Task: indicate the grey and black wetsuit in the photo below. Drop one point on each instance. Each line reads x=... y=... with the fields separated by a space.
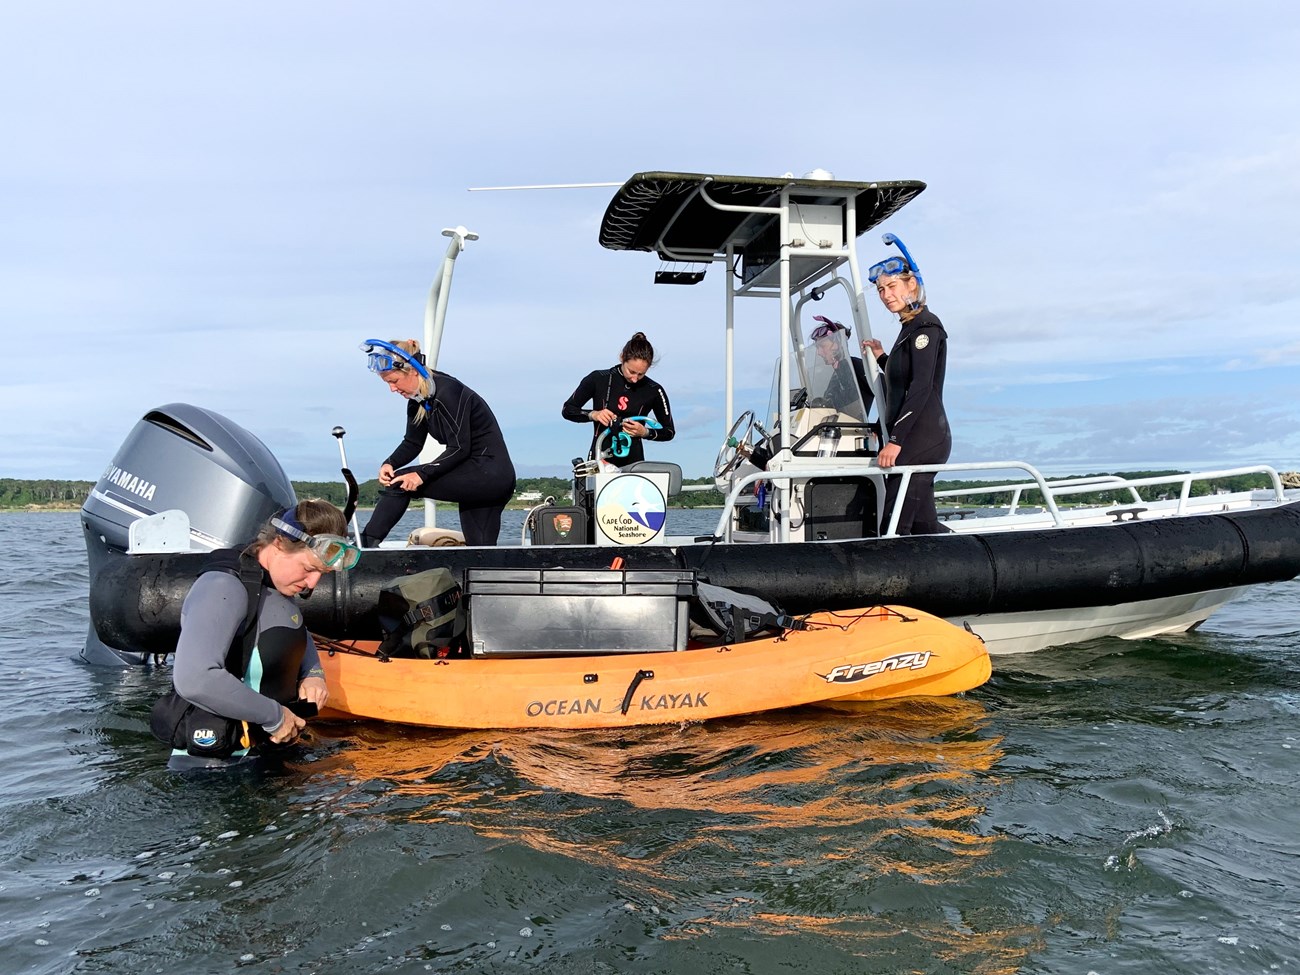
x=283 y=655
x=608 y=389
x=474 y=470
x=914 y=372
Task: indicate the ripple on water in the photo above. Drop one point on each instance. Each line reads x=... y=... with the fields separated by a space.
x=1111 y=807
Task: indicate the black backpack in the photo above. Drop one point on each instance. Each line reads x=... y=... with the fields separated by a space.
x=422 y=615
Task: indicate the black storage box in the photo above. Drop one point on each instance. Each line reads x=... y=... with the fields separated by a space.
x=554 y=525
x=839 y=507
x=525 y=612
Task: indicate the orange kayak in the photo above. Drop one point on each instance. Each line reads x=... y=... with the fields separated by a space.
x=867 y=655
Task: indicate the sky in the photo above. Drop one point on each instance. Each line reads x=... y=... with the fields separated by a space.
x=216 y=203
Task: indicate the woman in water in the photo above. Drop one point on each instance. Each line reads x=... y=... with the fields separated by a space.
x=244 y=655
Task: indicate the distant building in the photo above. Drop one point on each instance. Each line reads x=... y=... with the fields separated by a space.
x=529 y=496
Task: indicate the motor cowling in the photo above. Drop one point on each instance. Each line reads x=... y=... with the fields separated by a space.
x=186 y=458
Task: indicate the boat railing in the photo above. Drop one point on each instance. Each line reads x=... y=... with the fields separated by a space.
x=1103 y=482
x=1050 y=490
x=803 y=473
x=1096 y=482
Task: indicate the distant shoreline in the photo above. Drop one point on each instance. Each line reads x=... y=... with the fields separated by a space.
x=36 y=509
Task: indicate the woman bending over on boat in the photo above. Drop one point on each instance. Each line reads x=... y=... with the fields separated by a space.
x=618 y=393
x=914 y=372
x=244 y=655
x=474 y=469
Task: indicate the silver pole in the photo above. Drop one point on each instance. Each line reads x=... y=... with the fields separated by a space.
x=338 y=433
x=435 y=317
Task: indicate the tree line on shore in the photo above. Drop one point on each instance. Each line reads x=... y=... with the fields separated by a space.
x=51 y=493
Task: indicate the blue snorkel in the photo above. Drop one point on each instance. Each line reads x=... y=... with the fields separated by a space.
x=897 y=265
x=394 y=357
x=916 y=271
x=621 y=444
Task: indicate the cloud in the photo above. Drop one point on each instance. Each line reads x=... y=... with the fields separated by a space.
x=200 y=211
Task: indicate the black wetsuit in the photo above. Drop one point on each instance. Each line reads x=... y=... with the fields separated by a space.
x=914 y=372
x=608 y=389
x=474 y=470
x=849 y=382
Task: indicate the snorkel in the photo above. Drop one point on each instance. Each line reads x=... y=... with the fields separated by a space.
x=384 y=357
x=892 y=266
x=621 y=444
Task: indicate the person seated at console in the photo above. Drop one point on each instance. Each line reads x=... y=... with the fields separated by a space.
x=846 y=388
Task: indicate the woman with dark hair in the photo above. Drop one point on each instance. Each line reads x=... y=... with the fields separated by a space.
x=618 y=393
x=914 y=372
x=474 y=469
x=244 y=653
x=847 y=389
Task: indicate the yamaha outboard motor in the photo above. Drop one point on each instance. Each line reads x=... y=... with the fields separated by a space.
x=192 y=469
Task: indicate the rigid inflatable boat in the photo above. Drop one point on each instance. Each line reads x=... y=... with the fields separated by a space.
x=802 y=523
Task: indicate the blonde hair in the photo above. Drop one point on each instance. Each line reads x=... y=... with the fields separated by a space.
x=913 y=308
x=411 y=348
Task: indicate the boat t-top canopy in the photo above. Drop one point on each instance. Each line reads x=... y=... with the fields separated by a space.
x=781 y=237
x=695 y=217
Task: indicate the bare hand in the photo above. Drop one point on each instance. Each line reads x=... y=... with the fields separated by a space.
x=313 y=689
x=873 y=348
x=385 y=474
x=604 y=417
x=635 y=428
x=408 y=482
x=290 y=727
x=888 y=455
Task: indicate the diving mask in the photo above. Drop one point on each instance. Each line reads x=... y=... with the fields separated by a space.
x=335 y=551
x=894 y=265
x=828 y=327
x=888 y=267
x=384 y=356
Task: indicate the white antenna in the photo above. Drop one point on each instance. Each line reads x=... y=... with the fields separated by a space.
x=542 y=186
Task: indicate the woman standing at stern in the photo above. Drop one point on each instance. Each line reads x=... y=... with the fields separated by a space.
x=615 y=395
x=474 y=469
x=914 y=372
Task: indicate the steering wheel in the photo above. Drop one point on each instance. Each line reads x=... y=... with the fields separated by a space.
x=740 y=444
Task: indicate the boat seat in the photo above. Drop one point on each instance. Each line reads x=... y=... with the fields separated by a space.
x=674 y=472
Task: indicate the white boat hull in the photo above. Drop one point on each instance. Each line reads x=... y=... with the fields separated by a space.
x=1005 y=634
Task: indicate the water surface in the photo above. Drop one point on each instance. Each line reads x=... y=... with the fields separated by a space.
x=1112 y=807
